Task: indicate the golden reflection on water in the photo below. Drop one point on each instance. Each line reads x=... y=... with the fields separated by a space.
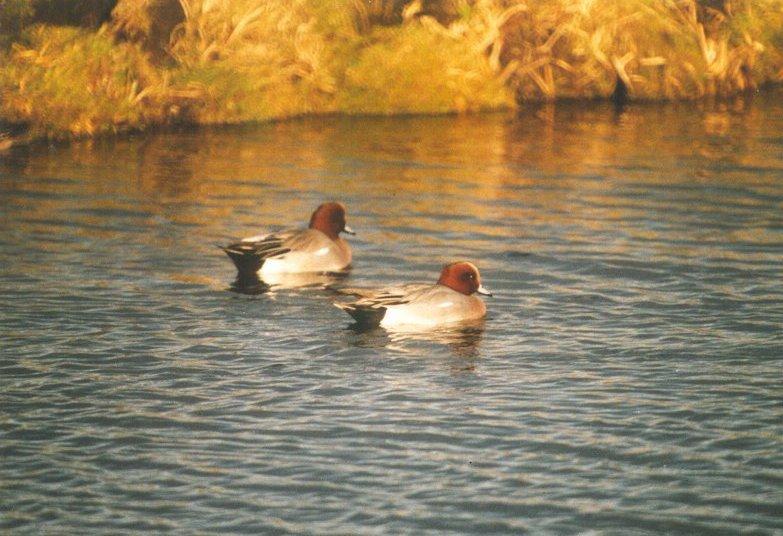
x=569 y=136
x=551 y=165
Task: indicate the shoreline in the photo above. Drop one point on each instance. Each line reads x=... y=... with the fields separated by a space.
x=11 y=142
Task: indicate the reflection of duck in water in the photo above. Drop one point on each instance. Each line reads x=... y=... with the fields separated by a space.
x=315 y=250
x=461 y=338
x=417 y=306
x=253 y=284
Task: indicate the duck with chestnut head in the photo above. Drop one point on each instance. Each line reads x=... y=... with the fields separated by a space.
x=317 y=249
x=452 y=299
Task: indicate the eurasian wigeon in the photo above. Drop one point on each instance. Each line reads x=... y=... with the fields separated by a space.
x=319 y=248
x=451 y=299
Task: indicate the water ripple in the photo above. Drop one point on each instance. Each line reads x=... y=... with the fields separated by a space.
x=626 y=379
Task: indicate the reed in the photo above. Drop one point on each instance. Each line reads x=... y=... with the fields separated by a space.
x=226 y=61
x=656 y=49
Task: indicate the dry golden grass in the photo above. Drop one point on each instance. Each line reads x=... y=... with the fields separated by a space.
x=69 y=82
x=224 y=61
x=658 y=49
x=250 y=60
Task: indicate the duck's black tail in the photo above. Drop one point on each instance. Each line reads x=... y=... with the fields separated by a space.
x=247 y=261
x=365 y=316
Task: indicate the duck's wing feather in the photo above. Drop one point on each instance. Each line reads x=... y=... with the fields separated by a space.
x=249 y=254
x=393 y=296
x=370 y=307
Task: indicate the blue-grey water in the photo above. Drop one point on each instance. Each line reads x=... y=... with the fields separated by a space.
x=627 y=380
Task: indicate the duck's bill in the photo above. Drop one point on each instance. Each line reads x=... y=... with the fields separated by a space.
x=348 y=230
x=484 y=291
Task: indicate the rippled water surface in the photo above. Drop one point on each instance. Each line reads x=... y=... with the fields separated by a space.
x=626 y=380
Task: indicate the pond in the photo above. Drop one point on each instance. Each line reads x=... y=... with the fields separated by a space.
x=626 y=378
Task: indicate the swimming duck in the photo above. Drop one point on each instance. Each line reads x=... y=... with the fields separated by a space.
x=319 y=248
x=451 y=299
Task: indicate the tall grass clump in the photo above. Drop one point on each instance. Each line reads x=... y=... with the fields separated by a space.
x=249 y=60
x=650 y=49
x=422 y=67
x=66 y=82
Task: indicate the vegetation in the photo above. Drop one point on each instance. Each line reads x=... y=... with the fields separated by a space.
x=157 y=62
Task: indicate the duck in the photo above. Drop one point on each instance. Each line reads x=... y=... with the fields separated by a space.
x=317 y=249
x=452 y=299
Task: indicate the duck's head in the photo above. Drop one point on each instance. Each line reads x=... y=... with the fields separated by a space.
x=329 y=218
x=463 y=277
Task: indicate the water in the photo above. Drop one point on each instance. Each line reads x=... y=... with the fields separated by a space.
x=627 y=379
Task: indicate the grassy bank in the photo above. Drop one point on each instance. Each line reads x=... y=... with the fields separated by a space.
x=159 y=62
